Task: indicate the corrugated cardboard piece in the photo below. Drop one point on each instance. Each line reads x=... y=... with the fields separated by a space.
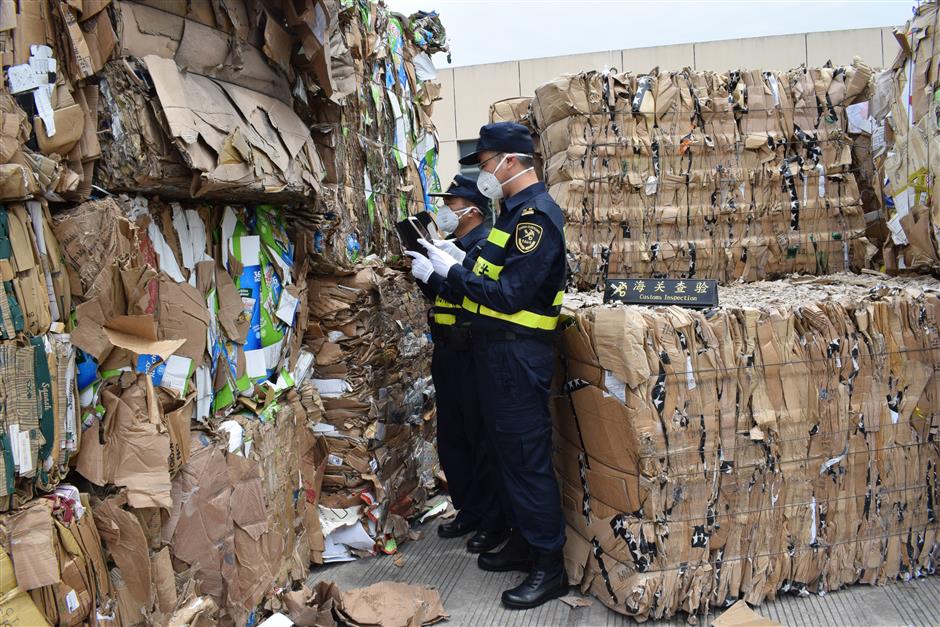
x=740 y=615
x=393 y=604
x=313 y=608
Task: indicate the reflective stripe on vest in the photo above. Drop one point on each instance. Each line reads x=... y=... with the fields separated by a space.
x=441 y=315
x=496 y=243
x=528 y=319
x=485 y=267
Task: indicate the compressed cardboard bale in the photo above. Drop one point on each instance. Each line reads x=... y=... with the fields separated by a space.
x=368 y=335
x=564 y=96
x=271 y=79
x=904 y=146
x=756 y=448
x=39 y=418
x=378 y=145
x=758 y=186
x=95 y=236
x=190 y=316
x=52 y=551
x=64 y=123
x=252 y=157
x=177 y=279
x=243 y=492
x=510 y=109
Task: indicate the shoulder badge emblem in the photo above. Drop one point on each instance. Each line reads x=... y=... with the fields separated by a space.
x=528 y=236
x=529 y=211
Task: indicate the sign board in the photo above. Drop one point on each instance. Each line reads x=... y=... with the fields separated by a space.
x=699 y=293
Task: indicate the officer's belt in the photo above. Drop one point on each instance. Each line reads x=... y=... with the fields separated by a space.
x=482 y=336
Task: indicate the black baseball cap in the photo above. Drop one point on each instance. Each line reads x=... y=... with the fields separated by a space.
x=466 y=187
x=507 y=137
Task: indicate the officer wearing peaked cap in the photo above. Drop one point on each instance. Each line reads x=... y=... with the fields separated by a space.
x=462 y=447
x=513 y=293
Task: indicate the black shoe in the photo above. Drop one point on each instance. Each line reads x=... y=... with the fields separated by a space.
x=485 y=540
x=515 y=555
x=546 y=581
x=456 y=528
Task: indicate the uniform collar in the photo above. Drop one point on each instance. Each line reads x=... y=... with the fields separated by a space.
x=475 y=235
x=517 y=200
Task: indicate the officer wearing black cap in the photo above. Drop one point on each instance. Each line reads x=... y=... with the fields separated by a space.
x=471 y=474
x=513 y=293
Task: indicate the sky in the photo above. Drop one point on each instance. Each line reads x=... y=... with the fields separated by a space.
x=488 y=31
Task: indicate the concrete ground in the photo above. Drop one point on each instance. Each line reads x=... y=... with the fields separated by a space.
x=471 y=596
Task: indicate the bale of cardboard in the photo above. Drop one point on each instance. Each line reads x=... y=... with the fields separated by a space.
x=368 y=331
x=782 y=442
x=59 y=574
x=185 y=330
x=172 y=178
x=323 y=106
x=39 y=430
x=377 y=140
x=905 y=142
x=738 y=175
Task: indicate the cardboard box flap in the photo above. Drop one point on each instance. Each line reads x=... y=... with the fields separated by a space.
x=125 y=540
x=138 y=334
x=32 y=544
x=619 y=340
x=69 y=127
x=183 y=314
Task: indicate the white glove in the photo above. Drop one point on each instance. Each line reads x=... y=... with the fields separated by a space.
x=442 y=261
x=451 y=249
x=421 y=267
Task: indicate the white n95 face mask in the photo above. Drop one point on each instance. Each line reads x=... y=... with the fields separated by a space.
x=490 y=186
x=447 y=220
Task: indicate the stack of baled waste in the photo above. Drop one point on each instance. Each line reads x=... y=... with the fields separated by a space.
x=187 y=352
x=174 y=176
x=783 y=442
x=741 y=175
x=904 y=109
x=368 y=331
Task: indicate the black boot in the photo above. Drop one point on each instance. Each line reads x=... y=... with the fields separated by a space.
x=515 y=555
x=460 y=526
x=546 y=581
x=486 y=540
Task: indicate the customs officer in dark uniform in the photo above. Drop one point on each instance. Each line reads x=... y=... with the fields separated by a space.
x=513 y=294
